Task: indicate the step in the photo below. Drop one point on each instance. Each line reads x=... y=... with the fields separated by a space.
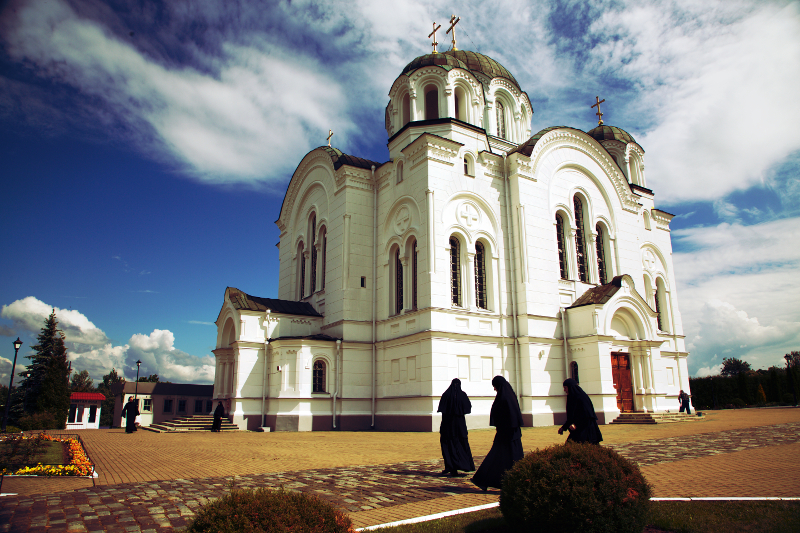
x=655 y=418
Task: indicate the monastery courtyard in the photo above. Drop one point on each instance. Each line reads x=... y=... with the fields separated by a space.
x=155 y=482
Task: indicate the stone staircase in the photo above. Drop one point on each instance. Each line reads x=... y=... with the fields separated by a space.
x=190 y=423
x=655 y=418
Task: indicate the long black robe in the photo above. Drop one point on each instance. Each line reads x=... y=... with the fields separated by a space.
x=580 y=412
x=507 y=445
x=219 y=412
x=130 y=412
x=453 y=430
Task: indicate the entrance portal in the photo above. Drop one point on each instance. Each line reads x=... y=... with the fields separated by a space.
x=621 y=374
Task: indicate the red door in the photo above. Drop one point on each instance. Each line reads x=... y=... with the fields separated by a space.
x=621 y=373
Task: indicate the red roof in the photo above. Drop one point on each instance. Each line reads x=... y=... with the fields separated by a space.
x=87 y=396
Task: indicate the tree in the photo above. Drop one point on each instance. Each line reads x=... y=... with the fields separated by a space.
x=81 y=382
x=734 y=367
x=45 y=387
x=107 y=410
x=152 y=378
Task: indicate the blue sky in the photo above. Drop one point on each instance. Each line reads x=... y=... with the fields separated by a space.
x=146 y=148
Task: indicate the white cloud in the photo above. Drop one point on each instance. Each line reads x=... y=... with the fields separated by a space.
x=709 y=371
x=90 y=349
x=719 y=80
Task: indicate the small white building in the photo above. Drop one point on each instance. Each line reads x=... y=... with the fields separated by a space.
x=162 y=402
x=84 y=410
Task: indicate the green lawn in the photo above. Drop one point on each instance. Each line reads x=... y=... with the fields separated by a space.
x=17 y=455
x=677 y=517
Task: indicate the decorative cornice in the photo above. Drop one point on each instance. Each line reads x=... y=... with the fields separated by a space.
x=661 y=218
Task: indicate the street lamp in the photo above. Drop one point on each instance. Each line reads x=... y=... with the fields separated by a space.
x=17 y=344
x=790 y=375
x=136 y=392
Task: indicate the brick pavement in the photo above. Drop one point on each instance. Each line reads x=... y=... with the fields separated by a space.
x=678 y=464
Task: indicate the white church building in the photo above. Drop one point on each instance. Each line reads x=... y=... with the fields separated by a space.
x=477 y=250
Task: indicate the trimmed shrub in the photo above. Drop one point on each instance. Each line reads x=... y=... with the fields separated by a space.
x=738 y=403
x=270 y=511
x=38 y=421
x=788 y=398
x=575 y=487
x=12 y=429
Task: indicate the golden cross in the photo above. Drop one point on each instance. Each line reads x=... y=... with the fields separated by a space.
x=453 y=22
x=599 y=114
x=330 y=134
x=433 y=34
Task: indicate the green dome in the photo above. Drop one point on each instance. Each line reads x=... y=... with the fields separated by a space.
x=471 y=61
x=611 y=133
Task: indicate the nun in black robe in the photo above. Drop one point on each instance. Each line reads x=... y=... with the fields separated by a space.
x=219 y=412
x=130 y=412
x=453 y=430
x=581 y=419
x=507 y=445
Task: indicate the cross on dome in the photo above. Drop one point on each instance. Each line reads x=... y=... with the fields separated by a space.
x=433 y=34
x=599 y=114
x=453 y=22
x=330 y=134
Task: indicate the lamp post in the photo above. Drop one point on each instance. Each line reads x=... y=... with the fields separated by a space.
x=790 y=375
x=136 y=391
x=17 y=344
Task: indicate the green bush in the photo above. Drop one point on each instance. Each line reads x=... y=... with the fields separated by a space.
x=270 y=511
x=575 y=487
x=38 y=421
x=12 y=429
x=738 y=403
x=788 y=398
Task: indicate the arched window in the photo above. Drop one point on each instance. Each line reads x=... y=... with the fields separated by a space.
x=406 y=109
x=580 y=242
x=461 y=104
x=469 y=168
x=312 y=226
x=646 y=217
x=414 y=275
x=324 y=246
x=562 y=249
x=661 y=305
x=501 y=119
x=318 y=376
x=431 y=102
x=480 y=277
x=455 y=271
x=301 y=271
x=398 y=286
x=599 y=245
x=399 y=171
x=573 y=370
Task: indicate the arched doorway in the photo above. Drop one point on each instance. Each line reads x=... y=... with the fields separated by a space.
x=621 y=374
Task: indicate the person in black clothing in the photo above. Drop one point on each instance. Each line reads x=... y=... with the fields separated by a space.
x=129 y=413
x=507 y=446
x=219 y=412
x=581 y=420
x=453 y=431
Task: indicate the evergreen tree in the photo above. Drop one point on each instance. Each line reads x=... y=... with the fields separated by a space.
x=45 y=387
x=81 y=382
x=733 y=367
x=107 y=410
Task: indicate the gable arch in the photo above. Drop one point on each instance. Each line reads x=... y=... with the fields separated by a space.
x=228 y=333
x=317 y=163
x=456 y=199
x=634 y=315
x=313 y=199
x=394 y=223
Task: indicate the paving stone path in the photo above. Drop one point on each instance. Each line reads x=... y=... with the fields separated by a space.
x=162 y=505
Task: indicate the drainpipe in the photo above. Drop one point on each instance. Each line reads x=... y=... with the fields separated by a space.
x=515 y=320
x=264 y=376
x=374 y=286
x=564 y=338
x=336 y=363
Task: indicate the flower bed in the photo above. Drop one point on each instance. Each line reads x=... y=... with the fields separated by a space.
x=79 y=464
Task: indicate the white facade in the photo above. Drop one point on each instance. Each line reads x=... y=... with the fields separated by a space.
x=464 y=217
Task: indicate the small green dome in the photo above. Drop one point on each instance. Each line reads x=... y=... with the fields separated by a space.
x=611 y=133
x=471 y=61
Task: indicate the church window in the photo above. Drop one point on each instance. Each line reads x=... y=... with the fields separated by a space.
x=466 y=166
x=501 y=120
x=398 y=287
x=469 y=169
x=301 y=271
x=431 y=102
x=661 y=305
x=658 y=310
x=324 y=239
x=313 y=229
x=414 y=254
x=646 y=217
x=580 y=243
x=406 y=109
x=562 y=250
x=319 y=376
x=573 y=370
x=601 y=255
x=461 y=104
x=480 y=276
x=399 y=172
x=455 y=271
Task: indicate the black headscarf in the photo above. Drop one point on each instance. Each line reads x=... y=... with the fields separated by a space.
x=505 y=408
x=579 y=406
x=454 y=401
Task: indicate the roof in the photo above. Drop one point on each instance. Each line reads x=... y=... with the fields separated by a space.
x=166 y=389
x=87 y=396
x=464 y=59
x=244 y=301
x=611 y=133
x=341 y=159
x=599 y=295
x=315 y=337
x=527 y=147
